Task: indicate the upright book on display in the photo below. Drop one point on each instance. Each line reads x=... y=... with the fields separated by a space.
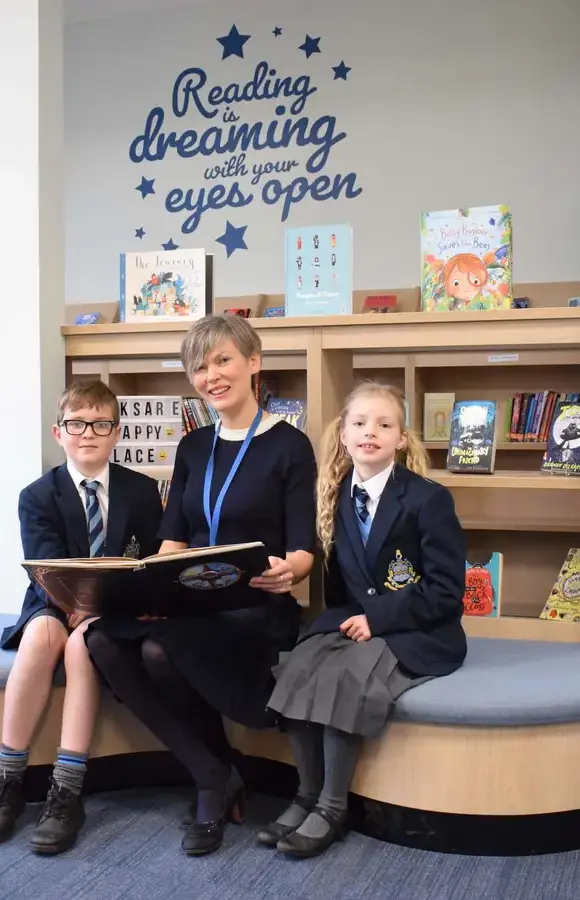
x=466 y=259
x=472 y=439
x=165 y=286
x=318 y=266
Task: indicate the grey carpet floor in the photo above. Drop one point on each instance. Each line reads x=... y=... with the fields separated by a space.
x=129 y=849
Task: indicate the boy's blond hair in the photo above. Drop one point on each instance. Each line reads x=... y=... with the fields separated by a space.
x=80 y=394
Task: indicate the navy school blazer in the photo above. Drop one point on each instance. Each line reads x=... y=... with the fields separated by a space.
x=409 y=580
x=53 y=525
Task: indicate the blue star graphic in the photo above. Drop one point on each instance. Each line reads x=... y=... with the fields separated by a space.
x=341 y=71
x=233 y=43
x=277 y=31
x=170 y=245
x=233 y=238
x=310 y=46
x=139 y=232
x=146 y=186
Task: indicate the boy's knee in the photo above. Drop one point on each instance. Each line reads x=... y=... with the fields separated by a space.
x=76 y=649
x=44 y=636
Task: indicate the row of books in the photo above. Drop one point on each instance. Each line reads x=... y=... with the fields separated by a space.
x=465 y=257
x=525 y=417
x=473 y=430
x=483 y=589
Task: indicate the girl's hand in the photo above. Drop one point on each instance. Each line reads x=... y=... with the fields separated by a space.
x=277 y=579
x=357 y=629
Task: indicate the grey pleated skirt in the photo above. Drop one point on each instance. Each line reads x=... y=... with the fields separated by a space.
x=334 y=681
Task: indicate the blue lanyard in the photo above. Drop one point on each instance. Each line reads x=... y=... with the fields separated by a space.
x=213 y=521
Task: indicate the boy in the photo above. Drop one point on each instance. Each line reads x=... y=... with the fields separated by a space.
x=85 y=507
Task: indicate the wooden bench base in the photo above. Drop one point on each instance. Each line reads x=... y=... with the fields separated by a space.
x=497 y=791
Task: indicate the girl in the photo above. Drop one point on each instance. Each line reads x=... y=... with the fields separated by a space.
x=395 y=576
x=252 y=477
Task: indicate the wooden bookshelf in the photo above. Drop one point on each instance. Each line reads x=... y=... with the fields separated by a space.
x=530 y=516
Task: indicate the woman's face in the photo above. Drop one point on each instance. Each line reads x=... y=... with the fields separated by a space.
x=224 y=379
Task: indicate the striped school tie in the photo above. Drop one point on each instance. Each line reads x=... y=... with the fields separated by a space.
x=360 y=503
x=94 y=519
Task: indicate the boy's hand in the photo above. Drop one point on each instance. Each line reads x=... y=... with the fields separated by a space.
x=357 y=629
x=75 y=619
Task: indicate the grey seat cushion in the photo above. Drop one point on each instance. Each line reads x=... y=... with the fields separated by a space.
x=7 y=657
x=502 y=683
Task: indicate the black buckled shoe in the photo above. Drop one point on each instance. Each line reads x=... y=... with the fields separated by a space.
x=299 y=845
x=59 y=823
x=275 y=831
x=12 y=804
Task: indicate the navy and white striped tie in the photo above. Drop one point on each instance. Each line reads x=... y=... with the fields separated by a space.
x=360 y=502
x=94 y=519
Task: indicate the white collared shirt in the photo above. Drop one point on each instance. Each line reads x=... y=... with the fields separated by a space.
x=373 y=486
x=102 y=490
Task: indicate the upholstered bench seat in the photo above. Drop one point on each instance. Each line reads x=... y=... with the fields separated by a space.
x=503 y=682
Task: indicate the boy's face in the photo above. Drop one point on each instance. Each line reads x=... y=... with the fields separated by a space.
x=88 y=446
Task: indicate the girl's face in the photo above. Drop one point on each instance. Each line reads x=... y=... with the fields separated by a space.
x=463 y=285
x=372 y=433
x=224 y=379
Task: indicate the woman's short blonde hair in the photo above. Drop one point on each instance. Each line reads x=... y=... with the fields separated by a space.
x=205 y=334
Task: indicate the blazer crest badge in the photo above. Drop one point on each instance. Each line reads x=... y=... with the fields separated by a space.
x=132 y=549
x=400 y=573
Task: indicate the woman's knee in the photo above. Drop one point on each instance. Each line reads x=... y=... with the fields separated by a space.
x=153 y=655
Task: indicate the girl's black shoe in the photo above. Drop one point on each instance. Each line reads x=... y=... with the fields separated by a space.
x=275 y=831
x=299 y=845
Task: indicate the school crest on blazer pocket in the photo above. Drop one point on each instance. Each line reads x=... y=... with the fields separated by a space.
x=132 y=549
x=400 y=573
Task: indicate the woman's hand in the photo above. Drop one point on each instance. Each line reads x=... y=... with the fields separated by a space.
x=277 y=579
x=357 y=629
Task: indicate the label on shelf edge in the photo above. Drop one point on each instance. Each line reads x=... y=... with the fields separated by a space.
x=503 y=357
x=171 y=364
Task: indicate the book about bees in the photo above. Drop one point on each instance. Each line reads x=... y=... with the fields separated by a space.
x=466 y=259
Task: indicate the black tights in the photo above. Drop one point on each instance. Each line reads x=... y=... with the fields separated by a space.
x=143 y=678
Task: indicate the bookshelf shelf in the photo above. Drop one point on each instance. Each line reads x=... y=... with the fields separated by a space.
x=500 y=446
x=530 y=516
x=542 y=481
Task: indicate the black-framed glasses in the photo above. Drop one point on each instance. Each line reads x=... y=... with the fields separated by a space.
x=102 y=427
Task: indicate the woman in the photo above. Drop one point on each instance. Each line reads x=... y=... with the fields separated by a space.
x=180 y=675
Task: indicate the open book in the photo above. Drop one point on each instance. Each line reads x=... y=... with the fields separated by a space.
x=179 y=583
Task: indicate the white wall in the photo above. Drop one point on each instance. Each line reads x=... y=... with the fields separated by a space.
x=453 y=104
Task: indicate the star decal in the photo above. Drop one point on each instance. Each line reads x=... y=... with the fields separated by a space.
x=139 y=232
x=310 y=46
x=341 y=71
x=170 y=245
x=146 y=187
x=277 y=31
x=233 y=43
x=233 y=238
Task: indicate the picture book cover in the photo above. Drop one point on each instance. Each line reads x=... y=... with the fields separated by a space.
x=466 y=259
x=472 y=438
x=293 y=411
x=182 y=583
x=564 y=601
x=483 y=583
x=438 y=409
x=318 y=266
x=562 y=456
x=165 y=286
